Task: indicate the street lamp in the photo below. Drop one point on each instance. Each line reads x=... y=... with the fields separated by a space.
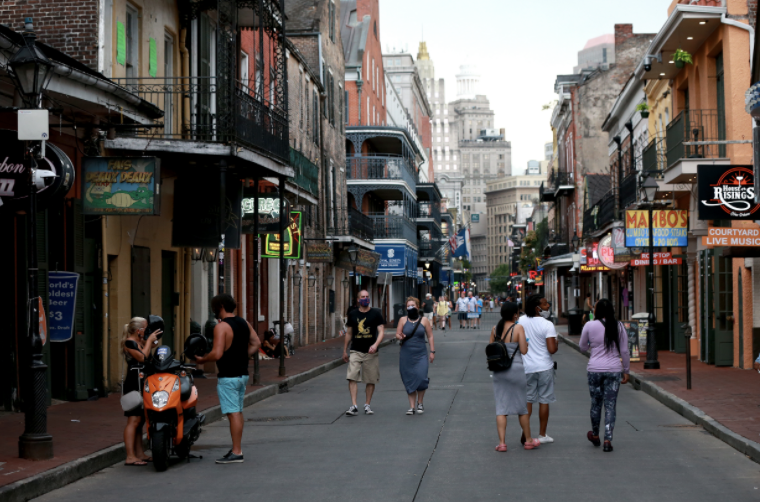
x=312 y=280
x=330 y=280
x=196 y=254
x=353 y=255
x=576 y=316
x=31 y=69
x=297 y=279
x=210 y=255
x=648 y=193
x=31 y=72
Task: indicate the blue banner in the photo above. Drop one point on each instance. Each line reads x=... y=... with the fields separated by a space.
x=62 y=292
x=393 y=259
x=411 y=266
x=462 y=237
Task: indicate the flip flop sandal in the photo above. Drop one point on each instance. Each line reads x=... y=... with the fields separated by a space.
x=139 y=463
x=534 y=444
x=501 y=447
x=149 y=460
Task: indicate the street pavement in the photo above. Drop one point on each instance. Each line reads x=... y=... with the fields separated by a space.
x=300 y=446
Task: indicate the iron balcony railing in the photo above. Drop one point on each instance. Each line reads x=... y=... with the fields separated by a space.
x=192 y=108
x=590 y=220
x=653 y=156
x=629 y=190
x=429 y=210
x=606 y=212
x=351 y=222
x=381 y=167
x=306 y=172
x=694 y=126
x=392 y=226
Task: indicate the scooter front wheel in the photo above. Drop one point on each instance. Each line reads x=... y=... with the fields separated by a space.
x=159 y=446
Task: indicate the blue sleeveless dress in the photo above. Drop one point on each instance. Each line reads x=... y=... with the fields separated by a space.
x=413 y=359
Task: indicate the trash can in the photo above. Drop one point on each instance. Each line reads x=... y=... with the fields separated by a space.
x=575 y=321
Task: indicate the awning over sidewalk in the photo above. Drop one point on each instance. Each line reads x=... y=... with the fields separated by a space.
x=565 y=260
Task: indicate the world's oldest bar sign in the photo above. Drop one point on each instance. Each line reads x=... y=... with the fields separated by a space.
x=726 y=193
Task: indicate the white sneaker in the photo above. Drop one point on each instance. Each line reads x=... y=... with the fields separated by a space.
x=545 y=439
x=410 y=411
x=368 y=410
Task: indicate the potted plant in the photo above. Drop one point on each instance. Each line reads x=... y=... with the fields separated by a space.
x=682 y=58
x=643 y=108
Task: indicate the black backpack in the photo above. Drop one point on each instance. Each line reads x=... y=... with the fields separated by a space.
x=497 y=355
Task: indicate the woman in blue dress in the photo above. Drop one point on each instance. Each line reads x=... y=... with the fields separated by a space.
x=414 y=357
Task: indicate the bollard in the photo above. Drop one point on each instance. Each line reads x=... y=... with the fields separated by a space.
x=687 y=335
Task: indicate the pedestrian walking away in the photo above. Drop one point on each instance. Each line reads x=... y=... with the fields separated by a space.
x=235 y=342
x=428 y=307
x=538 y=362
x=510 y=386
x=463 y=305
x=608 y=367
x=413 y=356
x=442 y=312
x=136 y=349
x=472 y=307
x=364 y=331
x=491 y=305
x=479 y=301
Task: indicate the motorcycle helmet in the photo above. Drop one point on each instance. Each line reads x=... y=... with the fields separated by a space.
x=155 y=323
x=196 y=345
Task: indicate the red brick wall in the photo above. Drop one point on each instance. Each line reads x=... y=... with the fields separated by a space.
x=373 y=51
x=71 y=26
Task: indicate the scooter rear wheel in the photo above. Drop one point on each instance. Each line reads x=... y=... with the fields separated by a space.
x=159 y=446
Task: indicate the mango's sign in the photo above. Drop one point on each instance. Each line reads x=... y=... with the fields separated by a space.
x=121 y=185
x=748 y=236
x=670 y=228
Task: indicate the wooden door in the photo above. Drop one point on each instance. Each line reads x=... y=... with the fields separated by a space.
x=724 y=311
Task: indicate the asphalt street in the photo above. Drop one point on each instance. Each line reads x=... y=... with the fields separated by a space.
x=300 y=446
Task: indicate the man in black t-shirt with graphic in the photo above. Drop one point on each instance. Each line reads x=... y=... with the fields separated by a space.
x=365 y=331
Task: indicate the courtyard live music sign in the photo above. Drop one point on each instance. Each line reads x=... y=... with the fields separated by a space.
x=726 y=193
x=670 y=228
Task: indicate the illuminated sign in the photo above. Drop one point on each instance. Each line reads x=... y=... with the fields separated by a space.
x=607 y=253
x=598 y=268
x=670 y=228
x=269 y=213
x=291 y=241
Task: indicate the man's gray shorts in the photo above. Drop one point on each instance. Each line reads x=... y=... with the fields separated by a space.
x=541 y=387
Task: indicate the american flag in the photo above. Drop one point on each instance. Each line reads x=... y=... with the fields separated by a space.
x=453 y=243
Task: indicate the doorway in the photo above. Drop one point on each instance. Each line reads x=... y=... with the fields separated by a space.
x=168 y=296
x=140 y=281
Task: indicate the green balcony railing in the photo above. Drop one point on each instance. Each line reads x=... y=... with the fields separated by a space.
x=306 y=172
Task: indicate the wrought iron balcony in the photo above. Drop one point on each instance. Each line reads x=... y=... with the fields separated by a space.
x=688 y=129
x=194 y=107
x=306 y=172
x=606 y=205
x=429 y=210
x=381 y=167
x=653 y=156
x=629 y=190
x=351 y=222
x=392 y=226
x=590 y=220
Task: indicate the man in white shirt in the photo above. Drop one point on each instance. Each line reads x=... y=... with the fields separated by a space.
x=538 y=363
x=472 y=307
x=461 y=308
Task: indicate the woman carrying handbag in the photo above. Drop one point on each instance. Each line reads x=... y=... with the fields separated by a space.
x=135 y=351
x=414 y=359
x=509 y=386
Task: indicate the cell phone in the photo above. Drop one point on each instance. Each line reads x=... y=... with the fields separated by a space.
x=555 y=365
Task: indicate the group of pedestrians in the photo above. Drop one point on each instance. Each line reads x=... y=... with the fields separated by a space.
x=529 y=341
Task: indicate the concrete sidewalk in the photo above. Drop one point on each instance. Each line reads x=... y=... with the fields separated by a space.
x=88 y=435
x=724 y=400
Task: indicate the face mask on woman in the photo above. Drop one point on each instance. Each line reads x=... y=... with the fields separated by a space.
x=413 y=312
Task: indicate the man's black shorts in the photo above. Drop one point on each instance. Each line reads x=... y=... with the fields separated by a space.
x=463 y=316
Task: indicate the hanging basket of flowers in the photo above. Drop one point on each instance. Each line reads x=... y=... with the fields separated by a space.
x=681 y=58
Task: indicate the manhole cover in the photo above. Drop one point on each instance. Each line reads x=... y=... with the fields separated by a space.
x=275 y=419
x=683 y=426
x=663 y=378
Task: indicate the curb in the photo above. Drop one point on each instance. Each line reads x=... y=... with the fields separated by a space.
x=57 y=477
x=743 y=445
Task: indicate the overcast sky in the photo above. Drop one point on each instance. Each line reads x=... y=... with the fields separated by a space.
x=519 y=46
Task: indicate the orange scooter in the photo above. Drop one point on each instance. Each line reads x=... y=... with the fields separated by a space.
x=169 y=399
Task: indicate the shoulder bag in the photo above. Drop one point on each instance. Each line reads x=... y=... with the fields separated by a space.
x=413 y=332
x=497 y=355
x=133 y=399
